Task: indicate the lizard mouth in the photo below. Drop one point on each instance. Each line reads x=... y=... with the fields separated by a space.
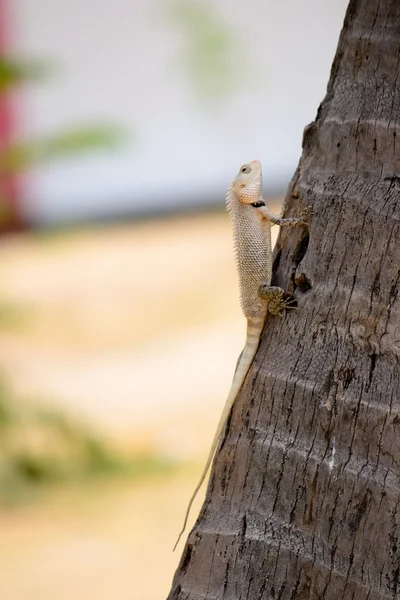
x=258 y=204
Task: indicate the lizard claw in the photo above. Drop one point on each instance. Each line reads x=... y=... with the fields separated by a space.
x=278 y=300
x=305 y=214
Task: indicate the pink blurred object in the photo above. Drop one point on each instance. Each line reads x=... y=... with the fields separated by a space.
x=10 y=215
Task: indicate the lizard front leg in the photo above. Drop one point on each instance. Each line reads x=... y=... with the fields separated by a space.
x=278 y=219
x=278 y=300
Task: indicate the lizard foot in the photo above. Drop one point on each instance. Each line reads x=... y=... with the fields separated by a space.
x=278 y=300
x=305 y=215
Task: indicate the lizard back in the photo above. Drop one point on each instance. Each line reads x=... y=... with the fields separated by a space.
x=251 y=236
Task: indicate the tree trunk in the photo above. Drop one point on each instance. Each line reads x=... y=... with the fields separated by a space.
x=303 y=500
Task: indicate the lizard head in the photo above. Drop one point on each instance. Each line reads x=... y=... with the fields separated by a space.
x=248 y=182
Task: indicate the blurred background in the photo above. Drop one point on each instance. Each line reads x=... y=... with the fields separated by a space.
x=121 y=125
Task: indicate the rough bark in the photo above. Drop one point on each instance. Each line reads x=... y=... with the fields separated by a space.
x=303 y=500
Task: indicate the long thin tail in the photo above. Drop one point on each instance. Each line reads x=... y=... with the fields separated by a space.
x=254 y=329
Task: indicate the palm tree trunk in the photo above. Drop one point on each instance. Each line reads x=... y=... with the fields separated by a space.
x=304 y=496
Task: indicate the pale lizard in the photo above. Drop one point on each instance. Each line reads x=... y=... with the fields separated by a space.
x=251 y=221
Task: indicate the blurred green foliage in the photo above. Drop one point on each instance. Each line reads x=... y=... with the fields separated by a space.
x=210 y=55
x=39 y=447
x=14 y=72
x=13 y=315
x=71 y=142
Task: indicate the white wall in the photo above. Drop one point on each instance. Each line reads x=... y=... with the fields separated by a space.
x=119 y=61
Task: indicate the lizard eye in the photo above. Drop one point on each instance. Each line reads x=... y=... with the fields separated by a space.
x=245 y=169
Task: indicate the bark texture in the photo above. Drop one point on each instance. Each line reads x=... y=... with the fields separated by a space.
x=304 y=496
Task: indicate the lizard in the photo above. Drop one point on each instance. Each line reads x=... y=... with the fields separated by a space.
x=251 y=222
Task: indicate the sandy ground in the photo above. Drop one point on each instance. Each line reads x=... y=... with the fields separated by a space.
x=136 y=329
x=130 y=327
x=104 y=542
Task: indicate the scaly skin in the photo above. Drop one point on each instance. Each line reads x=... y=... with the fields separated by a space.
x=252 y=223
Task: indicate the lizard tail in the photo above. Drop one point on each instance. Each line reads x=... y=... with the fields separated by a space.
x=254 y=328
